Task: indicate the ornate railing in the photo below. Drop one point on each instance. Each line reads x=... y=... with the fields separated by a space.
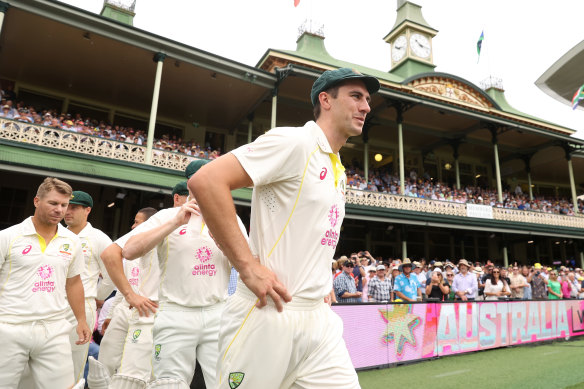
x=88 y=144
x=130 y=152
x=385 y=200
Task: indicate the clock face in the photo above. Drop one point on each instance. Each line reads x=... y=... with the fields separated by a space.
x=399 y=47
x=420 y=45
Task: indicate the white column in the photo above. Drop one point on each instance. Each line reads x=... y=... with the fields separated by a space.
x=581 y=260
x=498 y=173
x=505 y=256
x=274 y=109
x=457 y=170
x=573 y=185
x=159 y=59
x=404 y=249
x=529 y=184
x=249 y=131
x=366 y=160
x=402 y=171
x=3 y=8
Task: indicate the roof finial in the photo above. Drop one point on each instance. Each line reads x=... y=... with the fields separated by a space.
x=311 y=27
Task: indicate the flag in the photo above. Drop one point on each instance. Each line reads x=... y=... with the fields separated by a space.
x=296 y=2
x=579 y=95
x=480 y=44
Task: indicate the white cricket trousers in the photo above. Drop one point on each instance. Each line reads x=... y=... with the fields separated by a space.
x=301 y=347
x=183 y=335
x=79 y=351
x=44 y=346
x=126 y=347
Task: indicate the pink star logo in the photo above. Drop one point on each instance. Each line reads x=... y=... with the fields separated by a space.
x=45 y=271
x=333 y=215
x=203 y=254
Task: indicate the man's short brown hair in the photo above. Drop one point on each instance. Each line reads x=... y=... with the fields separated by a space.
x=52 y=183
x=333 y=91
x=147 y=212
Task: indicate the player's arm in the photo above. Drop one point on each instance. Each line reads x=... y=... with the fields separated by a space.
x=212 y=186
x=143 y=242
x=113 y=261
x=76 y=298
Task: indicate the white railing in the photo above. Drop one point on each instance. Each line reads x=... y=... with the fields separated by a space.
x=87 y=144
x=385 y=200
x=130 y=152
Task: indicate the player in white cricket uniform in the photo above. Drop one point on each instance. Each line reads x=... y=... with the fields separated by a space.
x=93 y=243
x=193 y=288
x=126 y=346
x=297 y=210
x=40 y=267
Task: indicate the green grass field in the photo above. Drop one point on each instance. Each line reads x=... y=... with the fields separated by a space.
x=549 y=366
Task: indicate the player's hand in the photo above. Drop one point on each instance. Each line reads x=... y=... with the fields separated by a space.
x=142 y=304
x=83 y=332
x=263 y=283
x=104 y=326
x=186 y=210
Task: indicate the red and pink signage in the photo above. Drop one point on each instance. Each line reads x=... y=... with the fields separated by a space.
x=383 y=334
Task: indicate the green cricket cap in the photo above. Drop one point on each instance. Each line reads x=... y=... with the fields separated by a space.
x=180 y=189
x=81 y=198
x=331 y=78
x=194 y=167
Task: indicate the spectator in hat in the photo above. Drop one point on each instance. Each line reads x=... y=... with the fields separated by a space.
x=437 y=265
x=6 y=112
x=344 y=285
x=465 y=284
x=406 y=286
x=538 y=283
x=379 y=288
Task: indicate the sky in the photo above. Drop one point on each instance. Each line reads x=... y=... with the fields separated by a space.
x=523 y=38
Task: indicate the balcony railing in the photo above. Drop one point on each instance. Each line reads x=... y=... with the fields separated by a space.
x=90 y=145
x=130 y=152
x=406 y=203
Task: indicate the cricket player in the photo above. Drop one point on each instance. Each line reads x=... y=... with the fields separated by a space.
x=193 y=288
x=40 y=267
x=127 y=343
x=93 y=243
x=298 y=205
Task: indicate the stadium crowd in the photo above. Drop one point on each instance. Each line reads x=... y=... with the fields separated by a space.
x=99 y=128
x=426 y=187
x=380 y=180
x=362 y=278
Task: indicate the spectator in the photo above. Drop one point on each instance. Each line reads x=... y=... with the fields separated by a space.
x=575 y=288
x=449 y=279
x=379 y=289
x=344 y=285
x=407 y=287
x=566 y=290
x=538 y=283
x=438 y=287
x=465 y=284
x=496 y=287
x=528 y=274
x=359 y=274
x=518 y=283
x=554 y=287
x=421 y=274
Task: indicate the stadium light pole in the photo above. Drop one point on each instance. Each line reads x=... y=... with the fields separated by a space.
x=159 y=59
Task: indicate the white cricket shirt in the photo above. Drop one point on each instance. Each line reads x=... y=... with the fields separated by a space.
x=93 y=243
x=193 y=271
x=142 y=273
x=33 y=275
x=297 y=205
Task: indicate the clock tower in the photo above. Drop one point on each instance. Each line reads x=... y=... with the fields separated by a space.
x=411 y=41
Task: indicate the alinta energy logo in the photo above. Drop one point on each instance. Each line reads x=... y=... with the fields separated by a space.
x=204 y=254
x=331 y=237
x=157 y=349
x=45 y=272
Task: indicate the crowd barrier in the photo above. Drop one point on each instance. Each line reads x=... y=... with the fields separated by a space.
x=384 y=334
